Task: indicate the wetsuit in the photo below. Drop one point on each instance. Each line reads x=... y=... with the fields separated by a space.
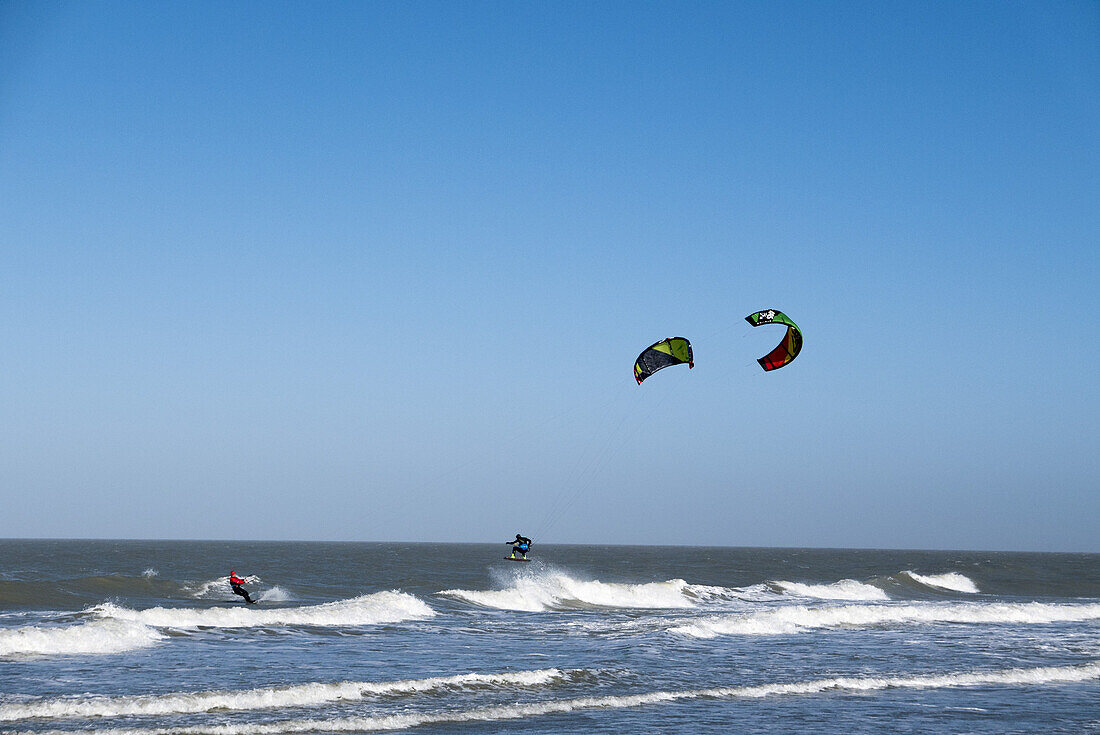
x=235 y=582
x=521 y=544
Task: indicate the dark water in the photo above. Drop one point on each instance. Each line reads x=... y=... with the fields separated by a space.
x=147 y=637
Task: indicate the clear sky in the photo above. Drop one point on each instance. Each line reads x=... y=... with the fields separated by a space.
x=380 y=271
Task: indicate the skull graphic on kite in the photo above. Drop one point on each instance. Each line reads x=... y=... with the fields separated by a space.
x=786 y=350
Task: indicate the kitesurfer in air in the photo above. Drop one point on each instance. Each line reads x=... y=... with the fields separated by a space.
x=235 y=582
x=521 y=544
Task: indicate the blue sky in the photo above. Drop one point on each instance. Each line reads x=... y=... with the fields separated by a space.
x=380 y=271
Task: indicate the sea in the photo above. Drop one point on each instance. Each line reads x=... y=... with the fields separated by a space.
x=146 y=637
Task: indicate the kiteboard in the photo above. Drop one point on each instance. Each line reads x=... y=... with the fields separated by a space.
x=514 y=558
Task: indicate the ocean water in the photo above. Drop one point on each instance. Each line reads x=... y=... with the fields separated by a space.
x=146 y=637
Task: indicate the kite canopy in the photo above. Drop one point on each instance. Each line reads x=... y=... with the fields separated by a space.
x=788 y=349
x=659 y=355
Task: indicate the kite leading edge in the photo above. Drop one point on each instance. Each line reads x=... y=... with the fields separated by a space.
x=659 y=355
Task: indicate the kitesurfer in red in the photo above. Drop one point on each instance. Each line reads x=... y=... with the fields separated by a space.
x=235 y=582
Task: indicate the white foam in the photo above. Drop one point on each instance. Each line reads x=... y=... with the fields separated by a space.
x=150 y=572
x=95 y=637
x=373 y=609
x=796 y=618
x=845 y=589
x=298 y=695
x=1004 y=677
x=712 y=594
x=555 y=590
x=949 y=581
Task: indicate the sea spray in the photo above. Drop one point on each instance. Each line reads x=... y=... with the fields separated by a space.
x=275 y=594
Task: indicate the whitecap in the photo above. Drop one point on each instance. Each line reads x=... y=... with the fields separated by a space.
x=797 y=618
x=950 y=581
x=845 y=589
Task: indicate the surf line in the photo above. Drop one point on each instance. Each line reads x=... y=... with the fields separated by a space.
x=269 y=698
x=1006 y=677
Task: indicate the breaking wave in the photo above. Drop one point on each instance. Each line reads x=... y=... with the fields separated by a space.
x=95 y=637
x=116 y=629
x=298 y=695
x=536 y=591
x=557 y=591
x=373 y=609
x=950 y=581
x=798 y=618
x=845 y=589
x=850 y=589
x=1003 y=677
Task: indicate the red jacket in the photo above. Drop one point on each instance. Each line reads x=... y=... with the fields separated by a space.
x=235 y=580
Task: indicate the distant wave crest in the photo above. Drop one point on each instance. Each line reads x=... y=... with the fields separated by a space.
x=63 y=593
x=797 y=618
x=845 y=589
